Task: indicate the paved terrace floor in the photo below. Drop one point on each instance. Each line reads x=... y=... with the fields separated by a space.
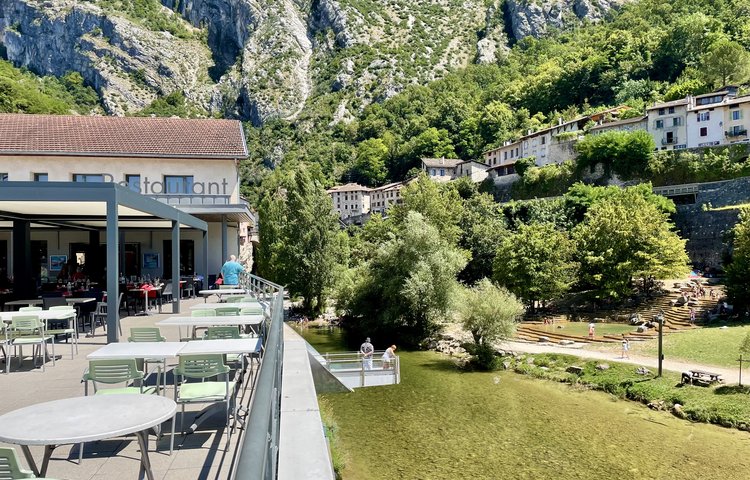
x=200 y=455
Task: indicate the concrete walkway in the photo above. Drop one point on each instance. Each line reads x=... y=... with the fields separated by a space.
x=730 y=375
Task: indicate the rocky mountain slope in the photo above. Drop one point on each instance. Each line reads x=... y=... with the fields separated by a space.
x=264 y=59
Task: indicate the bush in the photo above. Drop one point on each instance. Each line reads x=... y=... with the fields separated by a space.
x=483 y=357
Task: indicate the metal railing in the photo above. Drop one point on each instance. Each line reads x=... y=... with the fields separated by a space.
x=736 y=133
x=259 y=445
x=192 y=199
x=666 y=141
x=350 y=362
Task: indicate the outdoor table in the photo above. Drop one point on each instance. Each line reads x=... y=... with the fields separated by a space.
x=220 y=292
x=141 y=350
x=213 y=321
x=116 y=351
x=225 y=346
x=214 y=306
x=85 y=419
x=42 y=314
x=33 y=302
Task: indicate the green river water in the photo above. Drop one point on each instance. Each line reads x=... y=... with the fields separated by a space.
x=440 y=423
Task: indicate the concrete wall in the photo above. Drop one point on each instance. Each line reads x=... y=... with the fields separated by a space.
x=706 y=231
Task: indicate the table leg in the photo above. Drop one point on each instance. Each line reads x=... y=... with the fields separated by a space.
x=30 y=459
x=145 y=462
x=48 y=449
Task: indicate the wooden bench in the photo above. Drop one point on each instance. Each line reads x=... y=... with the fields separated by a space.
x=701 y=378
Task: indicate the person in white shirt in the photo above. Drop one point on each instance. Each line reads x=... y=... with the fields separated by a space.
x=367 y=350
x=388 y=356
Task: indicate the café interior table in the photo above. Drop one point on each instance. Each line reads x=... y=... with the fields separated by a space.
x=145 y=298
x=85 y=419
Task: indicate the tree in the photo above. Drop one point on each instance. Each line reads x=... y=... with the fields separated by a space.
x=440 y=205
x=369 y=165
x=524 y=164
x=726 y=62
x=536 y=263
x=496 y=122
x=624 y=237
x=482 y=229
x=580 y=197
x=738 y=270
x=490 y=313
x=406 y=290
x=300 y=240
x=626 y=154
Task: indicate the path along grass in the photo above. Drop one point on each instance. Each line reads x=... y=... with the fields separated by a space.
x=440 y=423
x=708 y=346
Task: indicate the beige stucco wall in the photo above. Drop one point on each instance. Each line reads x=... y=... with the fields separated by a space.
x=222 y=173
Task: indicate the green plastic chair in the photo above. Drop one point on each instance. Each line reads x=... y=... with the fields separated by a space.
x=225 y=332
x=228 y=287
x=227 y=311
x=71 y=333
x=10 y=467
x=207 y=312
x=233 y=299
x=201 y=367
x=29 y=330
x=149 y=334
x=30 y=309
x=112 y=372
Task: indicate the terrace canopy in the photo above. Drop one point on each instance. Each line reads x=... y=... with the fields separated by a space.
x=92 y=207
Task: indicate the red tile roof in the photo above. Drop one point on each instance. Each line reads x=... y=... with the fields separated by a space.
x=121 y=136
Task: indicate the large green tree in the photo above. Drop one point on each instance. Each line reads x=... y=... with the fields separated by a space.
x=301 y=243
x=738 y=270
x=369 y=165
x=726 y=62
x=406 y=290
x=439 y=204
x=536 y=263
x=625 y=237
x=482 y=228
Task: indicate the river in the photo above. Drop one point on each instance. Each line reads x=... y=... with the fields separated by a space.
x=442 y=423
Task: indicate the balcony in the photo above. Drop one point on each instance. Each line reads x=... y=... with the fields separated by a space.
x=177 y=199
x=669 y=141
x=736 y=133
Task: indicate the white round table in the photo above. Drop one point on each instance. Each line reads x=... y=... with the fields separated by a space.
x=85 y=419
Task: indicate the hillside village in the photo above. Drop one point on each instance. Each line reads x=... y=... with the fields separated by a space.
x=711 y=120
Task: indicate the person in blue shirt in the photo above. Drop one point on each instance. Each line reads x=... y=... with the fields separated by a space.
x=231 y=270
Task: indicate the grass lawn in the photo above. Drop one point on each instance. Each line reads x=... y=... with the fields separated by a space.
x=440 y=423
x=711 y=346
x=582 y=328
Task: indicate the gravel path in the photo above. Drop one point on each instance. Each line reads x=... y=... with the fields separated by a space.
x=730 y=375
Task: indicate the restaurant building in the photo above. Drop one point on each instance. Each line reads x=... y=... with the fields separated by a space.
x=191 y=165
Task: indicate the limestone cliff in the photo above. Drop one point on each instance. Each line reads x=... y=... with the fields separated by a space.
x=535 y=17
x=264 y=59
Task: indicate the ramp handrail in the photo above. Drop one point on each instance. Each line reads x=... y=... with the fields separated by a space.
x=259 y=444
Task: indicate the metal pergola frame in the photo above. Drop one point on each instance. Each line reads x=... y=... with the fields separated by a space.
x=113 y=196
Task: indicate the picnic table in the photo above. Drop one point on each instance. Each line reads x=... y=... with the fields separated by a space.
x=701 y=378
